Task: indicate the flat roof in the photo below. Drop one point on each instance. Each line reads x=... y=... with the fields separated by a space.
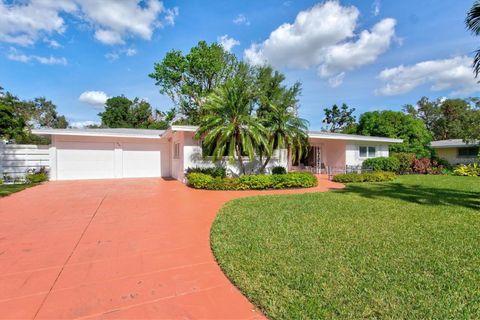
x=147 y=133
x=120 y=132
x=350 y=137
x=452 y=143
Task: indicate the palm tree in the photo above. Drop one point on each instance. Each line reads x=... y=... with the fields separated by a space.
x=228 y=126
x=286 y=131
x=473 y=23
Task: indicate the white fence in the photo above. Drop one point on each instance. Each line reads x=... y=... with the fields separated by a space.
x=17 y=159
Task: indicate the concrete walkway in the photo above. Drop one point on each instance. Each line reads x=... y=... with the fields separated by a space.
x=105 y=249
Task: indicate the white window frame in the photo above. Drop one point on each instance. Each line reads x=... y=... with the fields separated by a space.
x=369 y=154
x=176 y=150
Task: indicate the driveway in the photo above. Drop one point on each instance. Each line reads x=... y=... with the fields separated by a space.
x=133 y=248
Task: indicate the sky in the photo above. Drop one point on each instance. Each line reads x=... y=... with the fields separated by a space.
x=370 y=54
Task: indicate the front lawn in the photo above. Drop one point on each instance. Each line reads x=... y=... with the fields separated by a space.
x=7 y=189
x=407 y=249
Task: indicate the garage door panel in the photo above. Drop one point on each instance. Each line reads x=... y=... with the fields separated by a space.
x=85 y=160
x=141 y=160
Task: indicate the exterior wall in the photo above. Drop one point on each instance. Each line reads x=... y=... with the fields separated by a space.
x=114 y=153
x=192 y=157
x=451 y=155
x=352 y=152
x=16 y=159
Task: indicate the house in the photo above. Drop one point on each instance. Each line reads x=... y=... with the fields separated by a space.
x=456 y=151
x=130 y=153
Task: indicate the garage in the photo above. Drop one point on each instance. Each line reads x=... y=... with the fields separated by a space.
x=85 y=160
x=77 y=154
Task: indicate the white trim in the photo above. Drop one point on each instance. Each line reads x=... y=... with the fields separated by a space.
x=66 y=132
x=350 y=137
x=184 y=128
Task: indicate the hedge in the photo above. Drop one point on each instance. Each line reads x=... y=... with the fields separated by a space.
x=390 y=164
x=252 y=182
x=279 y=170
x=378 y=176
x=214 y=172
x=36 y=177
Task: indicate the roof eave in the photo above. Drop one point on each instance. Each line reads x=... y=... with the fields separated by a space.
x=44 y=132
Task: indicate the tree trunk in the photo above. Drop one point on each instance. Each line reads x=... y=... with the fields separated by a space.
x=240 y=161
x=264 y=165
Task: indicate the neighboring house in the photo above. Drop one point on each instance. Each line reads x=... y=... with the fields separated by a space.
x=131 y=153
x=456 y=151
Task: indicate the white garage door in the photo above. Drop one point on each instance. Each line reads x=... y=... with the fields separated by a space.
x=85 y=160
x=141 y=160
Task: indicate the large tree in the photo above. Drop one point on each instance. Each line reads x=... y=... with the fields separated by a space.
x=393 y=124
x=228 y=125
x=445 y=118
x=121 y=112
x=189 y=78
x=339 y=119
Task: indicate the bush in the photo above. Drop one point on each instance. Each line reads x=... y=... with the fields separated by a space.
x=405 y=161
x=252 y=182
x=470 y=170
x=279 y=170
x=391 y=164
x=378 y=176
x=36 y=177
x=213 y=172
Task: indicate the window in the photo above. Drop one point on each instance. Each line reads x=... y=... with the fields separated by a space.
x=176 y=150
x=367 y=152
x=470 y=152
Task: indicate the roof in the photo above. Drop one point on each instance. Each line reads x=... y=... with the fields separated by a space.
x=350 y=137
x=451 y=143
x=147 y=133
x=120 y=132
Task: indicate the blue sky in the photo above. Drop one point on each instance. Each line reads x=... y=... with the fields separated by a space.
x=370 y=54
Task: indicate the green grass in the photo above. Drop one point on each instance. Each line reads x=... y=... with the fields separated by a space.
x=7 y=189
x=408 y=249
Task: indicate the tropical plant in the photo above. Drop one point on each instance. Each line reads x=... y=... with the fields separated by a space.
x=285 y=131
x=469 y=170
x=228 y=125
x=473 y=24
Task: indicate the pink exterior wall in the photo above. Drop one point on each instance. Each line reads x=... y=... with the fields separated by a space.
x=333 y=151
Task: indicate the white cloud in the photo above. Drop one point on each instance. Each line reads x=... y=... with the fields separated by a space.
x=115 y=55
x=52 y=43
x=25 y=22
x=324 y=37
x=171 y=15
x=16 y=55
x=241 y=19
x=227 y=42
x=83 y=124
x=376 y=7
x=96 y=99
x=443 y=74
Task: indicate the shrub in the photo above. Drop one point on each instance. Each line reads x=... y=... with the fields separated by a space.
x=215 y=172
x=252 y=182
x=470 y=170
x=36 y=177
x=391 y=164
x=405 y=161
x=279 y=170
x=378 y=176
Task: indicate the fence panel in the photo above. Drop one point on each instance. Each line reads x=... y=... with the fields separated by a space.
x=17 y=159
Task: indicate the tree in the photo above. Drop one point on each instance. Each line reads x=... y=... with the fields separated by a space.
x=189 y=79
x=10 y=125
x=393 y=124
x=117 y=113
x=228 y=125
x=473 y=24
x=445 y=118
x=339 y=119
x=277 y=110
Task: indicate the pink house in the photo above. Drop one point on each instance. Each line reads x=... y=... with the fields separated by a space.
x=130 y=153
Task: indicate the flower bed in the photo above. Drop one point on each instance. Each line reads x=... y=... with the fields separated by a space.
x=378 y=176
x=252 y=182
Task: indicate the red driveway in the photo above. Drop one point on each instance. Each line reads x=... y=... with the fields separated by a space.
x=115 y=249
